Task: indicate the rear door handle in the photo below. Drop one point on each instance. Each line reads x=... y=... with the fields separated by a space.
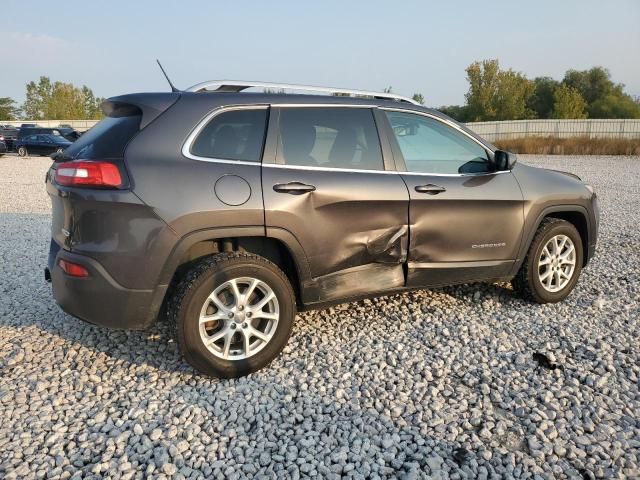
x=430 y=189
x=293 y=188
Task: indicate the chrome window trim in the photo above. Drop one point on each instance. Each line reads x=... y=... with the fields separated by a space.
x=186 y=146
x=328 y=169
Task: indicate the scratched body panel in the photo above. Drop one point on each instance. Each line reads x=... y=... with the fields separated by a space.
x=351 y=218
x=476 y=219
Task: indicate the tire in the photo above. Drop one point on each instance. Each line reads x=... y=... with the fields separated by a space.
x=556 y=287
x=22 y=152
x=193 y=298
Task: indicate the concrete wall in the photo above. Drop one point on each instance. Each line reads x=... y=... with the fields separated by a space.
x=557 y=128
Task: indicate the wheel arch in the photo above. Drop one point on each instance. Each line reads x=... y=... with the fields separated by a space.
x=278 y=246
x=577 y=215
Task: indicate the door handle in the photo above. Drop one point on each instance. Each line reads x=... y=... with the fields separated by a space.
x=293 y=188
x=430 y=189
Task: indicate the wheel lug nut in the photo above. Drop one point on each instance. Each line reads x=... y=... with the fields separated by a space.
x=248 y=314
x=233 y=326
x=244 y=325
x=230 y=314
x=240 y=307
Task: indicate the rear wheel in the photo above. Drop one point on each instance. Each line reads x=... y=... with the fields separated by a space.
x=232 y=314
x=552 y=266
x=22 y=151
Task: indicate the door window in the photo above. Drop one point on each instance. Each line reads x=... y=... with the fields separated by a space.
x=333 y=137
x=431 y=146
x=233 y=135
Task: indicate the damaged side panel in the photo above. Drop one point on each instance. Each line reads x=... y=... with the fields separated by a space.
x=353 y=227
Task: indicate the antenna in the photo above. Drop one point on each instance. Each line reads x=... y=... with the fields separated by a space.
x=173 y=88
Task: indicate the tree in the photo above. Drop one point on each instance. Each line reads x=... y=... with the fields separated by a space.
x=512 y=96
x=483 y=83
x=568 y=103
x=60 y=101
x=457 y=112
x=541 y=101
x=418 y=97
x=605 y=99
x=496 y=94
x=8 y=109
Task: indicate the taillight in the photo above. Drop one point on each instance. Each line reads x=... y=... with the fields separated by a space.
x=73 y=269
x=84 y=173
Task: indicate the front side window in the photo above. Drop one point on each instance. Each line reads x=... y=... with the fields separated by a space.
x=431 y=146
x=332 y=137
x=233 y=135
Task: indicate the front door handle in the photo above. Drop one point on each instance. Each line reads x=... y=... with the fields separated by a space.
x=293 y=188
x=430 y=189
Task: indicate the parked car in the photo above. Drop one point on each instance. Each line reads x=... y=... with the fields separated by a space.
x=9 y=133
x=229 y=211
x=68 y=133
x=41 y=145
x=3 y=146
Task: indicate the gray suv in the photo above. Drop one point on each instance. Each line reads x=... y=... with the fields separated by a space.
x=227 y=211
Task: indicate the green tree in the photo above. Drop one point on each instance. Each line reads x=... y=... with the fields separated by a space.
x=568 y=103
x=512 y=96
x=457 y=112
x=541 y=101
x=605 y=99
x=418 y=97
x=8 y=109
x=60 y=101
x=483 y=83
x=496 y=94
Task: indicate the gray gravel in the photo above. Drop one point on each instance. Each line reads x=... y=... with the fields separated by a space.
x=432 y=383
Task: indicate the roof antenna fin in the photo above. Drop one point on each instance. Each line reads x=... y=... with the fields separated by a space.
x=173 y=88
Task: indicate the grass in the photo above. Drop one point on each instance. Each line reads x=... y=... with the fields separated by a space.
x=571 y=146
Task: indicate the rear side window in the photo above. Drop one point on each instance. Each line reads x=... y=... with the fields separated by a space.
x=107 y=139
x=333 y=137
x=233 y=135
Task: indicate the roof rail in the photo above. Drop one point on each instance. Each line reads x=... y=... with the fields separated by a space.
x=239 y=85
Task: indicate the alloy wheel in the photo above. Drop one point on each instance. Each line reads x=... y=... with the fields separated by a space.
x=557 y=263
x=239 y=318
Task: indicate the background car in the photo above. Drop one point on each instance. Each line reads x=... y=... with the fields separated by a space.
x=9 y=134
x=41 y=144
x=68 y=133
x=3 y=147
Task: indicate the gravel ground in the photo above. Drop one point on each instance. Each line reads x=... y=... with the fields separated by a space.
x=439 y=383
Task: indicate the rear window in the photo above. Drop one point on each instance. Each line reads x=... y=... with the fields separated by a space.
x=107 y=139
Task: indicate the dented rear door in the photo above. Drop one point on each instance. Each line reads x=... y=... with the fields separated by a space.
x=330 y=188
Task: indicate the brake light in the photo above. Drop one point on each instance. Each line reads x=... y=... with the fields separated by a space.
x=85 y=173
x=73 y=269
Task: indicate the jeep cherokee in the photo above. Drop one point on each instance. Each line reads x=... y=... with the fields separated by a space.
x=227 y=211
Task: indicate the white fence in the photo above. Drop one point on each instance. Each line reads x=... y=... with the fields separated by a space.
x=490 y=130
x=557 y=128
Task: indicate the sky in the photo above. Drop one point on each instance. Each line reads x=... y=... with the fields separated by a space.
x=413 y=46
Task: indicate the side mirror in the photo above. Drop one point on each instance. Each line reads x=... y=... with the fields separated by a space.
x=504 y=160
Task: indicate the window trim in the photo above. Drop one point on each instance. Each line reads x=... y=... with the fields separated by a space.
x=385 y=153
x=186 y=146
x=399 y=157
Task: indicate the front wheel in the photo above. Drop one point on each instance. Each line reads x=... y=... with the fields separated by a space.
x=552 y=266
x=232 y=314
x=22 y=152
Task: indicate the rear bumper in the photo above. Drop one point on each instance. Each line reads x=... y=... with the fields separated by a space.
x=98 y=298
